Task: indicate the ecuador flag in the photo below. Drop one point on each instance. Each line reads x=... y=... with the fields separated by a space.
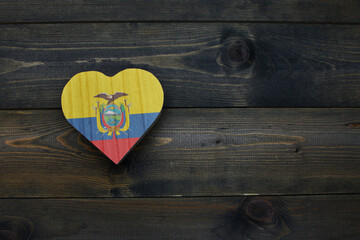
x=113 y=112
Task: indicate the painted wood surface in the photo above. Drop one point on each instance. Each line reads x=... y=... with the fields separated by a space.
x=258 y=218
x=197 y=165
x=173 y=10
x=189 y=152
x=198 y=64
x=113 y=112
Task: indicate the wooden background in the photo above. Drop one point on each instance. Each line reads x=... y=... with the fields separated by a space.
x=259 y=138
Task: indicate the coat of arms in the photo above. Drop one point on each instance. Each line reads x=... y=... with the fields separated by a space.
x=112 y=118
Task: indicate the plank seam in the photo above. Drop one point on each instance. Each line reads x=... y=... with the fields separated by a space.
x=182 y=21
x=203 y=196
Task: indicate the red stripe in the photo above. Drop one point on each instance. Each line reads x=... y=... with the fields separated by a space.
x=115 y=149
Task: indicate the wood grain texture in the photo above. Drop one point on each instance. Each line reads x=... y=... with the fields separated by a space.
x=189 y=152
x=265 y=218
x=114 y=113
x=198 y=64
x=200 y=10
x=204 y=168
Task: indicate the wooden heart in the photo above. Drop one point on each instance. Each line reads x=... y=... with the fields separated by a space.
x=115 y=112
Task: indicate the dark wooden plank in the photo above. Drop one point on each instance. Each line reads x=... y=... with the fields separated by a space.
x=199 y=65
x=265 y=218
x=190 y=152
x=129 y=10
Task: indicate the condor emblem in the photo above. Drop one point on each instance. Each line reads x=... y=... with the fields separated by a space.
x=113 y=112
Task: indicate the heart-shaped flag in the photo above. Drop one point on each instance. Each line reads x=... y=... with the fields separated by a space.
x=113 y=112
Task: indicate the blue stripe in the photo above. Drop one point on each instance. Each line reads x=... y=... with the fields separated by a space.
x=139 y=123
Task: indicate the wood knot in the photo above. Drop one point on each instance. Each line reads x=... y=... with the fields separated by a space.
x=236 y=53
x=16 y=228
x=256 y=218
x=260 y=210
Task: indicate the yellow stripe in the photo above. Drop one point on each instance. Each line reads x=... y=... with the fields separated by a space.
x=145 y=93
